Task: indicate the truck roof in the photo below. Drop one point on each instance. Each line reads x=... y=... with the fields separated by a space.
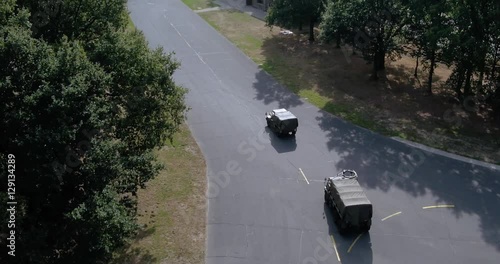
x=350 y=191
x=284 y=114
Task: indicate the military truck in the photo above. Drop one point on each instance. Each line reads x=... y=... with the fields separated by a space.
x=282 y=122
x=352 y=208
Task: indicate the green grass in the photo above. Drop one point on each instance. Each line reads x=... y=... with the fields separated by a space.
x=130 y=26
x=171 y=209
x=285 y=74
x=199 y=4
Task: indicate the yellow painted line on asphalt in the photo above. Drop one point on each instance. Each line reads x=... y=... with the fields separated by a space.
x=335 y=247
x=439 y=206
x=354 y=242
x=301 y=172
x=385 y=218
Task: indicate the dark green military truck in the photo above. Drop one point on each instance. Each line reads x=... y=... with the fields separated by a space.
x=352 y=209
x=282 y=122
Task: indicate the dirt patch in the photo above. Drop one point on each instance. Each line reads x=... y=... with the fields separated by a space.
x=338 y=81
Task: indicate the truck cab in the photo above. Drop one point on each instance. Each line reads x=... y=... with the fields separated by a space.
x=282 y=122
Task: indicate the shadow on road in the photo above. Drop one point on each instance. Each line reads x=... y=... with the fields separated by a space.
x=269 y=91
x=383 y=164
x=361 y=251
x=281 y=144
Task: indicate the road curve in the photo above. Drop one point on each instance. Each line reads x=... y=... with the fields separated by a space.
x=265 y=198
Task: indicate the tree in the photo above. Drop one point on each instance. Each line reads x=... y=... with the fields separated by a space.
x=471 y=41
x=426 y=32
x=295 y=13
x=339 y=22
x=373 y=26
x=83 y=116
x=76 y=19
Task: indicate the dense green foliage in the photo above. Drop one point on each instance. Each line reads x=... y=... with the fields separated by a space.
x=464 y=35
x=371 y=26
x=84 y=103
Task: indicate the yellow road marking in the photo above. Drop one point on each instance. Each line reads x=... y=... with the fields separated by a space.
x=335 y=247
x=354 y=242
x=303 y=175
x=439 y=206
x=385 y=218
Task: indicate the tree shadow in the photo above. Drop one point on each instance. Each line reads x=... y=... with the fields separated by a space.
x=270 y=91
x=281 y=144
x=384 y=164
x=134 y=255
x=397 y=101
x=361 y=252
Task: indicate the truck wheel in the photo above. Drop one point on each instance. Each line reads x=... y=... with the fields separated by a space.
x=268 y=123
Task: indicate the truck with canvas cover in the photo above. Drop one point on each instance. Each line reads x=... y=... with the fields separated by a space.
x=282 y=122
x=352 y=208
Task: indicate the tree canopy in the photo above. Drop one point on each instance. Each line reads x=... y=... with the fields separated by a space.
x=463 y=35
x=295 y=13
x=370 y=26
x=85 y=103
x=460 y=34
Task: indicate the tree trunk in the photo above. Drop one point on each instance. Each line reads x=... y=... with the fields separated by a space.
x=494 y=65
x=481 y=69
x=431 y=71
x=382 y=60
x=480 y=80
x=380 y=53
x=338 y=40
x=460 y=80
x=353 y=46
x=311 y=30
x=467 y=87
x=379 y=60
x=415 y=73
x=374 y=75
x=300 y=26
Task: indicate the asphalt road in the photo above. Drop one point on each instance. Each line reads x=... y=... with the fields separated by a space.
x=261 y=209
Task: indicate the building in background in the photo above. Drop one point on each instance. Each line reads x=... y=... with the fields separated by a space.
x=261 y=4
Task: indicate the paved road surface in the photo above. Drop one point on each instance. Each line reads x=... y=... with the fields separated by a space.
x=262 y=209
